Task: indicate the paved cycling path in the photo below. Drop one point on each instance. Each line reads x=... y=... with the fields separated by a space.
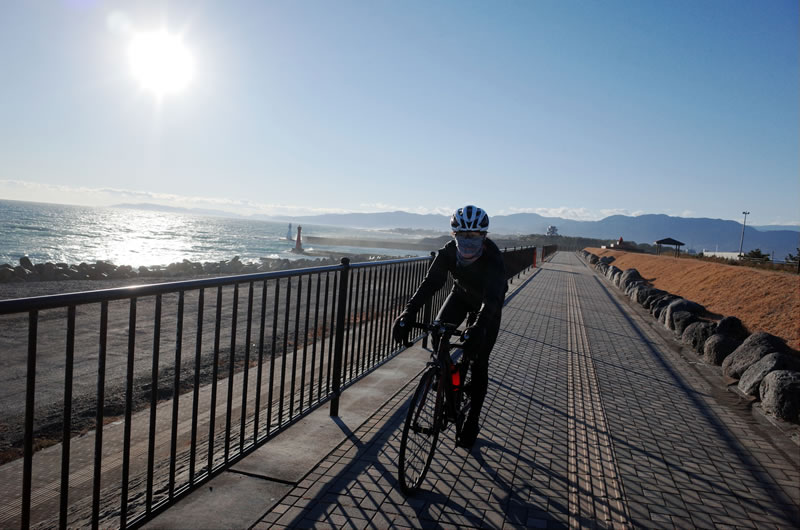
x=593 y=419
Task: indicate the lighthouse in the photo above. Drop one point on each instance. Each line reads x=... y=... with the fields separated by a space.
x=298 y=245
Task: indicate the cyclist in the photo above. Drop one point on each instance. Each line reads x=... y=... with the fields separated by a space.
x=479 y=288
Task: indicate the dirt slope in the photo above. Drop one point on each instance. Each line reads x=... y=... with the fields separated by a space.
x=764 y=300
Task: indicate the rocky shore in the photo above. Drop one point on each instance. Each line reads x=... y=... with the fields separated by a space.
x=27 y=271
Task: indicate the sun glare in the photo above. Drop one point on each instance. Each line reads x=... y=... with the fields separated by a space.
x=160 y=62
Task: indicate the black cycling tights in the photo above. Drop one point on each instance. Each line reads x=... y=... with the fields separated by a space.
x=454 y=311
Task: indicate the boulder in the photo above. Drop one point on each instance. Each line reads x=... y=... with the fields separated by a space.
x=657 y=294
x=24 y=274
x=681 y=304
x=630 y=275
x=681 y=320
x=75 y=274
x=718 y=347
x=660 y=305
x=733 y=327
x=6 y=272
x=632 y=285
x=612 y=270
x=643 y=292
x=46 y=271
x=593 y=259
x=697 y=333
x=178 y=269
x=26 y=262
x=105 y=267
x=97 y=273
x=752 y=377
x=780 y=394
x=635 y=291
x=750 y=351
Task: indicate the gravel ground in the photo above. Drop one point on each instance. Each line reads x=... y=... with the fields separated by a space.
x=51 y=350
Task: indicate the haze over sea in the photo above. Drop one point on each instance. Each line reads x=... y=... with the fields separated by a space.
x=123 y=236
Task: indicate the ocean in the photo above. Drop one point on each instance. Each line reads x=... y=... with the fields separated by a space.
x=124 y=236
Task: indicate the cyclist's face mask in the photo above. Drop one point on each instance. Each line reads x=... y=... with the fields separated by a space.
x=470 y=246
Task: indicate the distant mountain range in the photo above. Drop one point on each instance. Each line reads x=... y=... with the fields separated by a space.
x=697 y=233
x=177 y=209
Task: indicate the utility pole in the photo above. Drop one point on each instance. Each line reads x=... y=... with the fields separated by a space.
x=741 y=241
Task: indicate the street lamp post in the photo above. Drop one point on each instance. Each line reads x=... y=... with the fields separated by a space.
x=741 y=241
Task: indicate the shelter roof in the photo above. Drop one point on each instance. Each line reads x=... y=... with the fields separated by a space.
x=669 y=241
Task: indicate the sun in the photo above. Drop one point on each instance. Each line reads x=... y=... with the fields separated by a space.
x=160 y=62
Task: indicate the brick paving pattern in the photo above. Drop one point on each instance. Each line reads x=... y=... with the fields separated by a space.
x=591 y=420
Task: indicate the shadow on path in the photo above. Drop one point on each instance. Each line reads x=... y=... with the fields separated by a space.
x=782 y=504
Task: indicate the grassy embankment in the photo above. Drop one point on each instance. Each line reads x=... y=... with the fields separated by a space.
x=763 y=300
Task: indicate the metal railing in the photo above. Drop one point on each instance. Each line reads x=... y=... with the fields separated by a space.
x=548 y=250
x=141 y=423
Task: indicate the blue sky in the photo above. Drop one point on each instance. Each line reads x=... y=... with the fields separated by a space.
x=572 y=108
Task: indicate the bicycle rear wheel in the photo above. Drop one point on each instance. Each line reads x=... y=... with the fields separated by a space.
x=420 y=432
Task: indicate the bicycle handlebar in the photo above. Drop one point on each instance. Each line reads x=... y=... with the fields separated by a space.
x=437 y=328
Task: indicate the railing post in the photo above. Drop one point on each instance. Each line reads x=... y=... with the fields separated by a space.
x=341 y=307
x=426 y=311
x=534 y=257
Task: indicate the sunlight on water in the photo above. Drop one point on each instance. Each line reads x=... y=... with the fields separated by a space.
x=75 y=234
x=151 y=239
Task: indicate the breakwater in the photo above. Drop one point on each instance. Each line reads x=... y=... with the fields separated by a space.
x=429 y=244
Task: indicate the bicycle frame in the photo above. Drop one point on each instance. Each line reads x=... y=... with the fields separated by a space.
x=441 y=333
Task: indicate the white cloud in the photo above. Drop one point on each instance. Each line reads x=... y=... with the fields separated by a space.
x=576 y=214
x=423 y=210
x=620 y=211
x=106 y=196
x=60 y=194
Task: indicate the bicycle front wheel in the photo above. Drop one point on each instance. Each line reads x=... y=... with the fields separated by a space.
x=464 y=400
x=420 y=432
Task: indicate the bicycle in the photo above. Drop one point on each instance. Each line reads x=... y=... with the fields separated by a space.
x=443 y=396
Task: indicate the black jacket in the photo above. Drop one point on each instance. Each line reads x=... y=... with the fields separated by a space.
x=482 y=284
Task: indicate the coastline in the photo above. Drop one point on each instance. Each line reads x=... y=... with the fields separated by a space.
x=41 y=279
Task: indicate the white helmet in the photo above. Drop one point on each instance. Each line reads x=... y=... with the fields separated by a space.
x=469 y=219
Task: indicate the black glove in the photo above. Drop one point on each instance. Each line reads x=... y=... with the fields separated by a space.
x=473 y=337
x=402 y=327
